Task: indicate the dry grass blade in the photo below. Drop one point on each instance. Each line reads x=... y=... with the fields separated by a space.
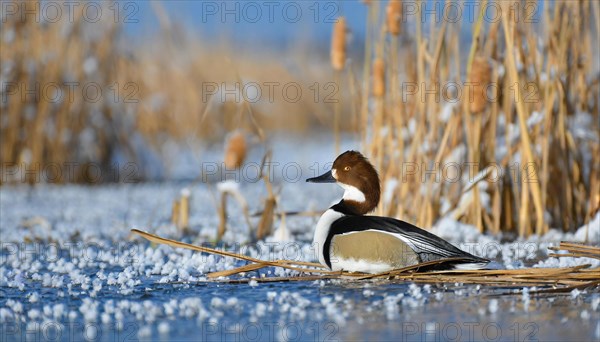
x=178 y=244
x=283 y=264
x=257 y=266
x=576 y=250
x=565 y=289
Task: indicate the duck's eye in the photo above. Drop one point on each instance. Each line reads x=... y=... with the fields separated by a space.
x=347 y=168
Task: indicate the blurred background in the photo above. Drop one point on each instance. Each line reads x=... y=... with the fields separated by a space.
x=484 y=112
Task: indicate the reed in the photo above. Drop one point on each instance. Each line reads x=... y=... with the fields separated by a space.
x=138 y=102
x=175 y=212
x=545 y=75
x=222 y=212
x=526 y=79
x=226 y=192
x=265 y=225
x=338 y=61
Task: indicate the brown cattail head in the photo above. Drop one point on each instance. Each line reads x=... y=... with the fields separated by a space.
x=235 y=150
x=378 y=77
x=338 y=44
x=480 y=78
x=394 y=17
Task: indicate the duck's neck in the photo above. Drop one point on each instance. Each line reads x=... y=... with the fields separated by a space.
x=357 y=202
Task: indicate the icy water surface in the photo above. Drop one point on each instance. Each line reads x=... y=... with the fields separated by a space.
x=316 y=311
x=70 y=271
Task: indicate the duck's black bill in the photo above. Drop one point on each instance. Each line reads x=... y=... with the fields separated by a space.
x=327 y=177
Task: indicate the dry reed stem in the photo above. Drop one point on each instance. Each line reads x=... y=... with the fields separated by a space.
x=337 y=113
x=371 y=19
x=265 y=224
x=175 y=212
x=222 y=217
x=525 y=140
x=244 y=205
x=283 y=264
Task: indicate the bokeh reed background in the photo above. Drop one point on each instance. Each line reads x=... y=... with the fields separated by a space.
x=514 y=88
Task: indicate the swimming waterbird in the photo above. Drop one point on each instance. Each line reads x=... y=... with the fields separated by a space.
x=348 y=239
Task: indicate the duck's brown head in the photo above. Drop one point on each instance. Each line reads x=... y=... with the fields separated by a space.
x=355 y=174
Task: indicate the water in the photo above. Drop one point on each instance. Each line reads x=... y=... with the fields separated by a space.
x=316 y=311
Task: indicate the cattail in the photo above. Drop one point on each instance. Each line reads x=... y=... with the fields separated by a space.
x=378 y=78
x=394 y=16
x=480 y=77
x=235 y=150
x=338 y=44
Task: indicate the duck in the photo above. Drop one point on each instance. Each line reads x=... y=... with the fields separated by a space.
x=347 y=239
